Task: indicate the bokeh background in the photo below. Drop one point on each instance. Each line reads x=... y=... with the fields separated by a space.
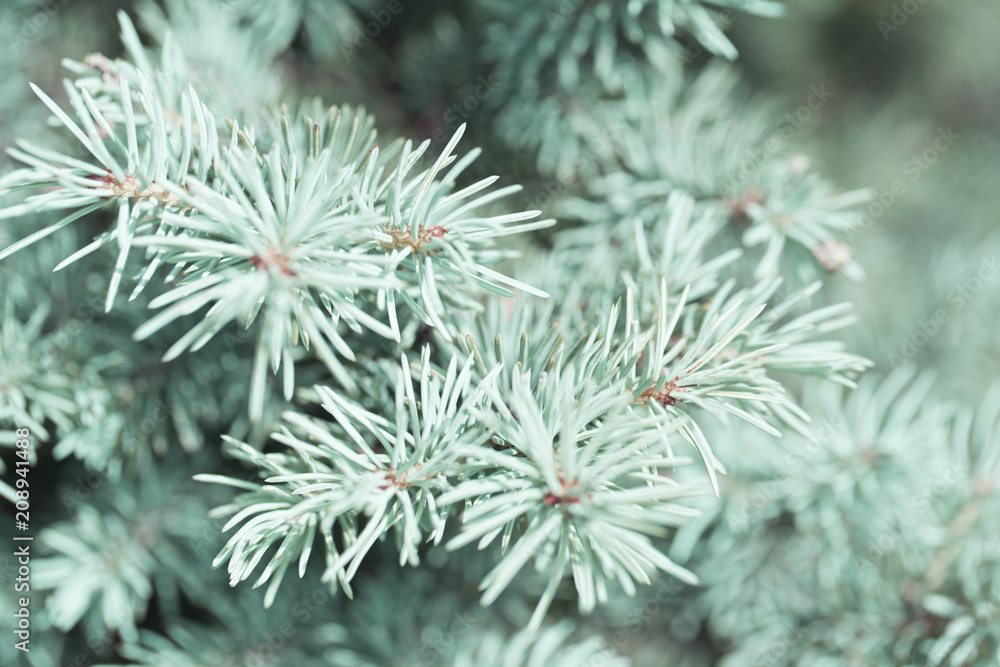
x=900 y=78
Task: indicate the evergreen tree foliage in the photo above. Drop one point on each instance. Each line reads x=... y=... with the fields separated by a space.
x=494 y=333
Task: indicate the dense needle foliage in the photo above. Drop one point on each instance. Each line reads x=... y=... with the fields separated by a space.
x=494 y=333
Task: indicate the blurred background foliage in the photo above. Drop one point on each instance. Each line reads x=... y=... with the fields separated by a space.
x=895 y=87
